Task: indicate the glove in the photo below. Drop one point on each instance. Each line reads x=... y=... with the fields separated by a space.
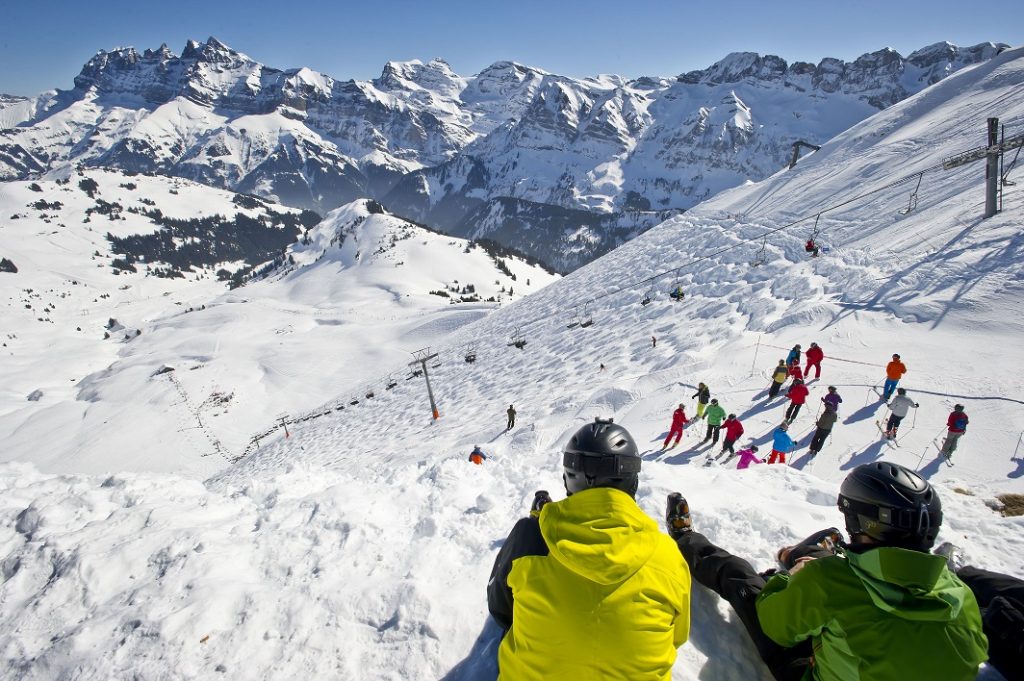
x=540 y=497
x=677 y=516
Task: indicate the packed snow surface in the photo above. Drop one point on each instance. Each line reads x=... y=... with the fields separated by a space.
x=359 y=545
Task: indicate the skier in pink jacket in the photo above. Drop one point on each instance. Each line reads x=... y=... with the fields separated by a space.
x=747 y=457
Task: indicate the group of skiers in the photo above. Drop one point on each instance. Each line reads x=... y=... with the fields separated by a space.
x=590 y=587
x=709 y=409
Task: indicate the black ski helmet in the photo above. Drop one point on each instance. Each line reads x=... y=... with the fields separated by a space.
x=601 y=454
x=891 y=504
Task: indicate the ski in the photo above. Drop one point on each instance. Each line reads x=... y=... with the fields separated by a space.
x=891 y=441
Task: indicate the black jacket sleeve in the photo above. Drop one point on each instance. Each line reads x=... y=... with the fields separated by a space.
x=525 y=539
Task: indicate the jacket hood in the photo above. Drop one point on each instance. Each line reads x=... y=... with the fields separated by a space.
x=909 y=584
x=600 y=534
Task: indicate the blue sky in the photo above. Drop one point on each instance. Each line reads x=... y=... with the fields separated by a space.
x=43 y=43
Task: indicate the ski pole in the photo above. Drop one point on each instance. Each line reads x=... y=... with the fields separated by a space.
x=756 y=350
x=1018 y=446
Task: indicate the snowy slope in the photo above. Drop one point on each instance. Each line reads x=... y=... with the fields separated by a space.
x=237 y=356
x=359 y=547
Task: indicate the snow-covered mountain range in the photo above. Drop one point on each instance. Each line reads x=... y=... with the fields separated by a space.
x=562 y=168
x=358 y=544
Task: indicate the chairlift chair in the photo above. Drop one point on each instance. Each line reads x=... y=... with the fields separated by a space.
x=762 y=255
x=517 y=339
x=912 y=201
x=354 y=401
x=369 y=392
x=470 y=354
x=575 y=321
x=677 y=294
x=812 y=246
x=587 y=319
x=648 y=298
x=390 y=382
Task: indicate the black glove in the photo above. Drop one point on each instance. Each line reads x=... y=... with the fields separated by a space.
x=540 y=497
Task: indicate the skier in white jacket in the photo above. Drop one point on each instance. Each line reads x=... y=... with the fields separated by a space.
x=899 y=407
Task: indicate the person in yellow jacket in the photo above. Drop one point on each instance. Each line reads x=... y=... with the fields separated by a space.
x=589 y=587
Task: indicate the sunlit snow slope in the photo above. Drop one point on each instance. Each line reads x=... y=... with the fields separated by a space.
x=359 y=547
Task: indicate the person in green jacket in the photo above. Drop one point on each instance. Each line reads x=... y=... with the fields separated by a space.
x=878 y=608
x=590 y=587
x=715 y=414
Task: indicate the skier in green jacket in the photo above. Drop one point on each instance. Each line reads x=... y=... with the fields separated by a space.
x=715 y=414
x=880 y=607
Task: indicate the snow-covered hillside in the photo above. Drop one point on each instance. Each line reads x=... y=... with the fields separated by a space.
x=90 y=347
x=359 y=546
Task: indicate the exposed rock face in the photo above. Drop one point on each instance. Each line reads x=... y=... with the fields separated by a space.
x=439 y=148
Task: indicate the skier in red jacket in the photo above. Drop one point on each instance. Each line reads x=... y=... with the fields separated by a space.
x=814 y=356
x=733 y=430
x=796 y=373
x=797 y=396
x=678 y=424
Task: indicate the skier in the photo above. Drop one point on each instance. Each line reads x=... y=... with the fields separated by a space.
x=733 y=431
x=898 y=410
x=894 y=371
x=477 y=456
x=715 y=414
x=654 y=341
x=814 y=356
x=781 y=443
x=794 y=356
x=590 y=568
x=702 y=395
x=797 y=395
x=957 y=425
x=678 y=425
x=795 y=372
x=832 y=400
x=511 y=411
x=879 y=607
x=824 y=425
x=779 y=377
x=602 y=367
x=748 y=456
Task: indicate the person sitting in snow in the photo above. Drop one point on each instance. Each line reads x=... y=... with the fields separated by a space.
x=877 y=607
x=589 y=587
x=477 y=456
x=747 y=456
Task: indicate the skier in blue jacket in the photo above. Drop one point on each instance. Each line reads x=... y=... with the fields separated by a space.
x=781 y=444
